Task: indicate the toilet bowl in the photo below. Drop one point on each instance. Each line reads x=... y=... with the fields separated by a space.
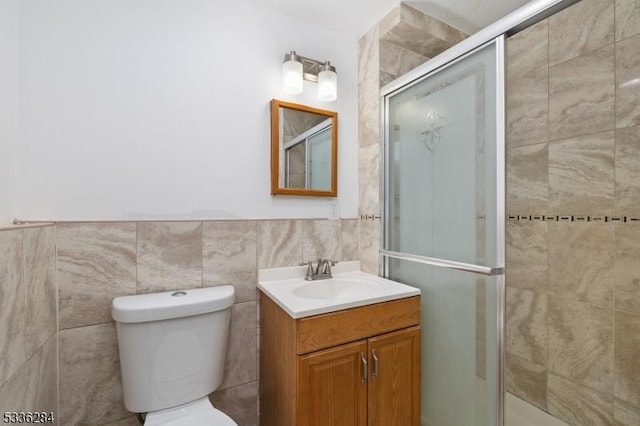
x=172 y=347
x=199 y=412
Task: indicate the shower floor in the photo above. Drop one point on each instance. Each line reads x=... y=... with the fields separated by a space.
x=521 y=413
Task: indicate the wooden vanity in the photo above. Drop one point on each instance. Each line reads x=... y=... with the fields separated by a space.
x=352 y=367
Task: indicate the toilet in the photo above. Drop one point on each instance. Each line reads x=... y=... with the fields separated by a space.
x=172 y=347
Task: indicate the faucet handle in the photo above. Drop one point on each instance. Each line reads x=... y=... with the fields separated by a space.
x=309 y=272
x=326 y=265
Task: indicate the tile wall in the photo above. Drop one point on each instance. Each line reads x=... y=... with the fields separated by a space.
x=28 y=321
x=58 y=343
x=573 y=200
x=100 y=261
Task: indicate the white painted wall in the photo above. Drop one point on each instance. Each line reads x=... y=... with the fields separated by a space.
x=9 y=18
x=160 y=109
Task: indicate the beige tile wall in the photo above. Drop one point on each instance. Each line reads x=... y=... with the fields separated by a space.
x=573 y=148
x=28 y=321
x=99 y=261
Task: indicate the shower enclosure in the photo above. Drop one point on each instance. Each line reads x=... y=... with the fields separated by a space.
x=443 y=197
x=444 y=224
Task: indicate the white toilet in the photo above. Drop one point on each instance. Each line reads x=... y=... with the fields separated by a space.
x=172 y=349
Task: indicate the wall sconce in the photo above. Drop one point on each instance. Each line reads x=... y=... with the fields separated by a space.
x=296 y=68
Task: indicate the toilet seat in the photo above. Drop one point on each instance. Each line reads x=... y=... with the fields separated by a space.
x=195 y=413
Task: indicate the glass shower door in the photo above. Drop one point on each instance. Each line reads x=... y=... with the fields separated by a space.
x=444 y=229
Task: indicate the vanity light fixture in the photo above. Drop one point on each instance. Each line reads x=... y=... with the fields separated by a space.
x=297 y=68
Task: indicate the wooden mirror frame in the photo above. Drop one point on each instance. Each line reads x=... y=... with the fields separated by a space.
x=275 y=150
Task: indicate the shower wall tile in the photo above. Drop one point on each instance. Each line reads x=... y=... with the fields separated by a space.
x=527 y=253
x=321 y=239
x=279 y=243
x=481 y=243
x=627 y=82
x=625 y=414
x=240 y=403
x=369 y=245
x=526 y=380
x=627 y=171
x=397 y=60
x=577 y=404
x=581 y=95
x=585 y=26
x=349 y=239
x=229 y=256
x=41 y=294
x=581 y=175
x=528 y=51
x=12 y=304
x=169 y=256
x=368 y=88
x=592 y=170
x=481 y=358
x=386 y=78
x=627 y=357
x=626 y=270
x=526 y=325
x=627 y=18
x=425 y=23
x=481 y=311
x=369 y=179
x=528 y=86
x=241 y=359
x=527 y=108
x=414 y=30
x=581 y=262
x=90 y=383
x=96 y=262
x=528 y=179
x=581 y=343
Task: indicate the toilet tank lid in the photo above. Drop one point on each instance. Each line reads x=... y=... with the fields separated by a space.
x=171 y=304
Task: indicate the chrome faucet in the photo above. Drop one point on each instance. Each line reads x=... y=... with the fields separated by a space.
x=322 y=270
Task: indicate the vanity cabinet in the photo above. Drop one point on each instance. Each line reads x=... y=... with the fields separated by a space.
x=355 y=367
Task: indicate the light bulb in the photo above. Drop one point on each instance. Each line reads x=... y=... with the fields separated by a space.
x=292 y=74
x=327 y=83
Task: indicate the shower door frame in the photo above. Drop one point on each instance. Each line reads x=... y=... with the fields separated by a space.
x=497 y=33
x=496 y=270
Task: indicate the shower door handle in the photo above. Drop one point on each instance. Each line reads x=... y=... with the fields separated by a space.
x=444 y=263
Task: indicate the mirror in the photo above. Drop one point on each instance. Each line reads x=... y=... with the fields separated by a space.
x=304 y=150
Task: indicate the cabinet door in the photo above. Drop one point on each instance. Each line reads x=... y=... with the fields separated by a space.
x=332 y=387
x=394 y=379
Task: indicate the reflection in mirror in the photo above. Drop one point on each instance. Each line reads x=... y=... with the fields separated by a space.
x=303 y=150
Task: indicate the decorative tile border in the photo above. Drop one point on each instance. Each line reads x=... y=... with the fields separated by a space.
x=369 y=217
x=574 y=218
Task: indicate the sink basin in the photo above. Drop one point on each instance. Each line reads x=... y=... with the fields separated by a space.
x=349 y=288
x=336 y=288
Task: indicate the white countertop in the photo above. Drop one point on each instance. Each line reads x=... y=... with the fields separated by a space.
x=349 y=288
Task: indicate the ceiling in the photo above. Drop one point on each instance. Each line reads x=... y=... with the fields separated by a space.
x=356 y=17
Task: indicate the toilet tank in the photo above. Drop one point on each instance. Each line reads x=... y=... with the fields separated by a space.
x=172 y=345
